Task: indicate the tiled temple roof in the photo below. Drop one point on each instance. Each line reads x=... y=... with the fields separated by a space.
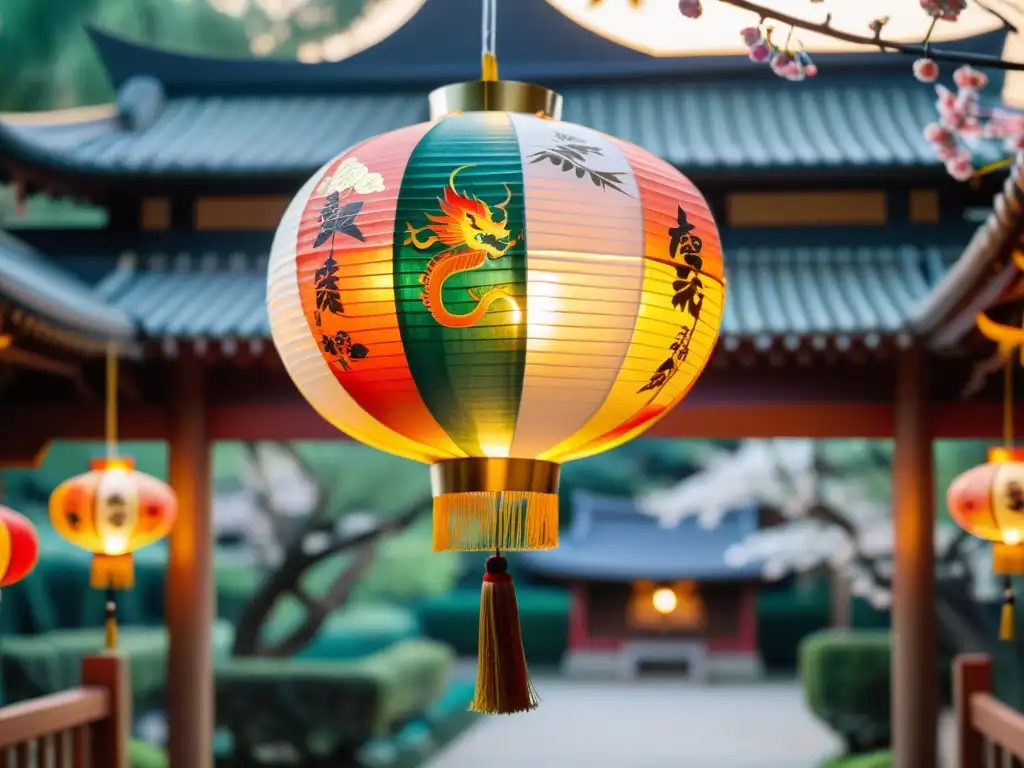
x=609 y=540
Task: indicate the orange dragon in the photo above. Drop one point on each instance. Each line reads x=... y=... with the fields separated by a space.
x=471 y=234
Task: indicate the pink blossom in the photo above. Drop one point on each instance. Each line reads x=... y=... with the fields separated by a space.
x=926 y=70
x=760 y=52
x=811 y=70
x=780 y=63
x=691 y=9
x=751 y=36
x=1014 y=143
x=960 y=167
x=937 y=134
x=968 y=77
x=946 y=152
x=947 y=10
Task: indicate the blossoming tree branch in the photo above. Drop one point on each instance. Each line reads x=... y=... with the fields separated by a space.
x=962 y=118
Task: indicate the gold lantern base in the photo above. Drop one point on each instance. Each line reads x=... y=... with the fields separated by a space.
x=495 y=96
x=495 y=504
x=112 y=572
x=1008 y=559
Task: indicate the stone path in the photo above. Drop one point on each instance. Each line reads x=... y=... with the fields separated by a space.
x=656 y=724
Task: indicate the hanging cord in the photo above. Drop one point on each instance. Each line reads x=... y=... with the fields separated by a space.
x=488 y=39
x=110 y=606
x=111 y=426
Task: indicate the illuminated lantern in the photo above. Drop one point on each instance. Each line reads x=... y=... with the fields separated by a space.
x=988 y=502
x=19 y=547
x=494 y=293
x=113 y=511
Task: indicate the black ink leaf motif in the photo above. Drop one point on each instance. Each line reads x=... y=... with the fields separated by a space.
x=571 y=154
x=341 y=347
x=1015 y=496
x=328 y=294
x=337 y=219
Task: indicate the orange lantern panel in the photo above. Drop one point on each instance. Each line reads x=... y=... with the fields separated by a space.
x=113 y=511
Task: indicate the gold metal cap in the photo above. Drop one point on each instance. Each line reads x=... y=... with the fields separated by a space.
x=480 y=475
x=495 y=96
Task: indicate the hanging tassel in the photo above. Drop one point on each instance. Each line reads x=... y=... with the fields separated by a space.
x=1006 y=624
x=503 y=684
x=110 y=626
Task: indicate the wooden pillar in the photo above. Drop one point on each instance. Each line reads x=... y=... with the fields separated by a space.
x=972 y=673
x=915 y=666
x=110 y=735
x=190 y=595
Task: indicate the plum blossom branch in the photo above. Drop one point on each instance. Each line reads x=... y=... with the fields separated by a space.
x=947 y=10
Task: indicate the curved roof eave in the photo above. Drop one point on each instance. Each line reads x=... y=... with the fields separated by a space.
x=981 y=274
x=31 y=282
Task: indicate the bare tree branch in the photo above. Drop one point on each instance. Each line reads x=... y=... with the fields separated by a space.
x=287 y=579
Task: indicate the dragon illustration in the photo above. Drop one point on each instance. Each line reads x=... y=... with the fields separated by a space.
x=472 y=233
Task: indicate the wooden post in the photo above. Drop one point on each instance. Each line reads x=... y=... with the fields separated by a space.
x=109 y=743
x=190 y=596
x=972 y=673
x=915 y=667
x=841 y=602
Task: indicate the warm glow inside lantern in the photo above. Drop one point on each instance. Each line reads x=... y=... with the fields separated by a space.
x=494 y=293
x=19 y=547
x=987 y=501
x=113 y=511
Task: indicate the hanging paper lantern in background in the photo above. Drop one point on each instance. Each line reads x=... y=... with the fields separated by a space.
x=987 y=501
x=113 y=511
x=19 y=546
x=495 y=293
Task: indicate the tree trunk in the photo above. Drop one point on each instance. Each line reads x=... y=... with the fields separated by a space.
x=841 y=601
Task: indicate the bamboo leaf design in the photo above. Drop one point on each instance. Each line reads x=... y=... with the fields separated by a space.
x=571 y=155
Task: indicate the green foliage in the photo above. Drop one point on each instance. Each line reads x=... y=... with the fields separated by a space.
x=350 y=633
x=543 y=613
x=847 y=685
x=881 y=759
x=37 y=665
x=143 y=755
x=328 y=709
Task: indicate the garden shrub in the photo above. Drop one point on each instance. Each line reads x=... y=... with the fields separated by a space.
x=847 y=685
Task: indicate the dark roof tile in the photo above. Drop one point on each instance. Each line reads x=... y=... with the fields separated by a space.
x=747 y=124
x=775 y=291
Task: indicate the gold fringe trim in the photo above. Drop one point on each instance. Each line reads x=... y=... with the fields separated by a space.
x=495 y=520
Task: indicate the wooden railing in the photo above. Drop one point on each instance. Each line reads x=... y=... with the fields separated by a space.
x=990 y=734
x=87 y=727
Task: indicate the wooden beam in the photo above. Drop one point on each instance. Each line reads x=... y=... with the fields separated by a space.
x=915 y=646
x=28 y=429
x=820 y=207
x=190 y=600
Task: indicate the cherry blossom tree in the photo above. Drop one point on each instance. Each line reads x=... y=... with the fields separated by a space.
x=963 y=117
x=827 y=508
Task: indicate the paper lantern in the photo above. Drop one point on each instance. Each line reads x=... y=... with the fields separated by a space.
x=113 y=511
x=19 y=546
x=495 y=293
x=987 y=501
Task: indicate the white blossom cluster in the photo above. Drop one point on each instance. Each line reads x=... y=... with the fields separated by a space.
x=781 y=474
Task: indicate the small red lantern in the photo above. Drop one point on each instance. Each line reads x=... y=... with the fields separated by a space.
x=987 y=501
x=113 y=511
x=19 y=546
